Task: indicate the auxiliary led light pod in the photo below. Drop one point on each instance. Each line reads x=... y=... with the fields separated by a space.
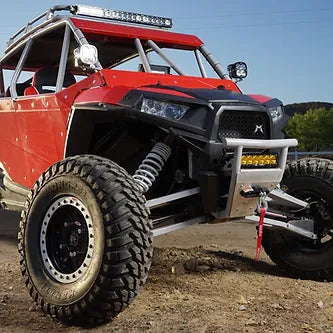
x=259 y=160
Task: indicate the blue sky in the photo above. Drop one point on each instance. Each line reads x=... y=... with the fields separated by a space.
x=287 y=44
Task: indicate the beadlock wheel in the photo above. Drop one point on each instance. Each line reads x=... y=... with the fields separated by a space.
x=67 y=239
x=310 y=180
x=85 y=241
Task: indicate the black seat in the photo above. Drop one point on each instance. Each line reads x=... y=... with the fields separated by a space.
x=44 y=77
x=47 y=77
x=20 y=88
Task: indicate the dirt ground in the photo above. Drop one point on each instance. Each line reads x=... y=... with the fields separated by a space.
x=203 y=279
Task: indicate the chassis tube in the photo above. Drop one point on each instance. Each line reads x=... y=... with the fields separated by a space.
x=63 y=59
x=19 y=68
x=142 y=55
x=164 y=57
x=2 y=85
x=214 y=63
x=200 y=64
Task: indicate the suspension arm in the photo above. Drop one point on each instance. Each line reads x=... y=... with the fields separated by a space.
x=302 y=228
x=280 y=198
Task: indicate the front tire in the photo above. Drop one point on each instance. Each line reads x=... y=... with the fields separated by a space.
x=85 y=240
x=310 y=180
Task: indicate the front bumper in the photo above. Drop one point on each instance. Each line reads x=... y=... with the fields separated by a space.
x=268 y=178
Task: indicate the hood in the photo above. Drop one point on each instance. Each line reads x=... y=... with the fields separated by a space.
x=219 y=94
x=119 y=84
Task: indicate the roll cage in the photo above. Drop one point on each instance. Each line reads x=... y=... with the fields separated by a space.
x=144 y=40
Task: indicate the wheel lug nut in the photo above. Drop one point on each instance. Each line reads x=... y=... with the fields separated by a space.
x=72 y=254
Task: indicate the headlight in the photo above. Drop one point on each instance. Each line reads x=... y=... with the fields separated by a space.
x=276 y=113
x=163 y=109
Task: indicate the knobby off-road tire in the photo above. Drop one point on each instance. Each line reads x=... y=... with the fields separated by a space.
x=310 y=180
x=85 y=240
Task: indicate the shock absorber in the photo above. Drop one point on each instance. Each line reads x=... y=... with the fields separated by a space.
x=151 y=166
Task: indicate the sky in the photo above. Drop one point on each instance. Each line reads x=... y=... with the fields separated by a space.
x=287 y=44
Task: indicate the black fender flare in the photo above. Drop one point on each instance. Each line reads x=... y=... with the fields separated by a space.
x=85 y=117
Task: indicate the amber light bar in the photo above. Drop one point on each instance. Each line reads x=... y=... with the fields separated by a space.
x=254 y=160
x=118 y=15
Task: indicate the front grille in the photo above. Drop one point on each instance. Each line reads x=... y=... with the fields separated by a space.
x=244 y=125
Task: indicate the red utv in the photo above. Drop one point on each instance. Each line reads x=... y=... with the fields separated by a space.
x=105 y=141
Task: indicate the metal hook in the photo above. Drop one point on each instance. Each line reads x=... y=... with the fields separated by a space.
x=262 y=202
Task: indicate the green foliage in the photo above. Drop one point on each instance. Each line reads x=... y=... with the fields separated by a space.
x=314 y=129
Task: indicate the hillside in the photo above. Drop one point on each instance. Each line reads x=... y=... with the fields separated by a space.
x=303 y=107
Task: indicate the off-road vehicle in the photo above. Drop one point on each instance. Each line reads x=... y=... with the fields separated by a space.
x=105 y=142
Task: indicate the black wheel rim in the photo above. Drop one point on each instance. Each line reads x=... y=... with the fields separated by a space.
x=323 y=223
x=67 y=239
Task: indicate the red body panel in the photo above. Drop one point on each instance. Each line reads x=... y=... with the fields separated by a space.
x=119 y=83
x=132 y=32
x=260 y=98
x=9 y=134
x=139 y=79
x=34 y=129
x=108 y=95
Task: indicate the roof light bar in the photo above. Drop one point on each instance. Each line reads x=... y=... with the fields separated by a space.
x=117 y=15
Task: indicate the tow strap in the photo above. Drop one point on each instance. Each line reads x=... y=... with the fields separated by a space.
x=260 y=232
x=262 y=207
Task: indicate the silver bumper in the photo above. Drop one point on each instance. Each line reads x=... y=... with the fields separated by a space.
x=237 y=205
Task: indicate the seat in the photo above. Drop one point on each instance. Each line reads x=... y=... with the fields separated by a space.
x=20 y=88
x=44 y=78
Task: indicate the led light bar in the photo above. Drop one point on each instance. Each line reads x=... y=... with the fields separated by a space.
x=254 y=161
x=117 y=15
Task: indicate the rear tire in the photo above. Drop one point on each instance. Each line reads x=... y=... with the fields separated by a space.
x=85 y=240
x=310 y=180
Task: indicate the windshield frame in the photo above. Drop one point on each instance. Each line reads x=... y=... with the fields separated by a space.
x=142 y=49
x=160 y=38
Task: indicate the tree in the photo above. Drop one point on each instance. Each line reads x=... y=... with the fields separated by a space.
x=314 y=129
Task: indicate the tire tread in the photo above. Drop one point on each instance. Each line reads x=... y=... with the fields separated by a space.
x=314 y=167
x=128 y=256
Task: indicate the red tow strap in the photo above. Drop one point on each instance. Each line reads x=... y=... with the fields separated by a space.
x=260 y=232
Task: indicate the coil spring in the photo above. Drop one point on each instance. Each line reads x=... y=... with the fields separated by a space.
x=151 y=166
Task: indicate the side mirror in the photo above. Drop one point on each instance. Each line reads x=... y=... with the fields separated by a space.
x=238 y=70
x=87 y=55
